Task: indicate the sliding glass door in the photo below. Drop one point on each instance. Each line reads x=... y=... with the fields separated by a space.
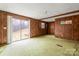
x=18 y=29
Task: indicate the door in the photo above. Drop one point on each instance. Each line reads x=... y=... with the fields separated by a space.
x=18 y=29
x=15 y=29
x=24 y=29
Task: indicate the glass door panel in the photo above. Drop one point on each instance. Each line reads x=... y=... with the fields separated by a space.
x=15 y=29
x=24 y=29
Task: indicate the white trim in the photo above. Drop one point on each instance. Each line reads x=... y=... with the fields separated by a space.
x=9 y=29
x=67 y=15
x=29 y=27
x=53 y=18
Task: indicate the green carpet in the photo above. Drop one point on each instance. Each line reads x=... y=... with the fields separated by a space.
x=47 y=45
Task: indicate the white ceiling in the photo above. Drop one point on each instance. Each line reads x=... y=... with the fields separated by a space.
x=39 y=10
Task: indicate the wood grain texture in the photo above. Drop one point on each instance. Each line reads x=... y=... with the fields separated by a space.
x=35 y=28
x=3 y=32
x=67 y=31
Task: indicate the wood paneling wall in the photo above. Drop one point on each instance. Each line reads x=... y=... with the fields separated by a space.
x=35 y=28
x=76 y=27
x=3 y=28
x=1 y=31
x=67 y=31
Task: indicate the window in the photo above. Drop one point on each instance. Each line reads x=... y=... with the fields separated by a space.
x=43 y=25
x=66 y=22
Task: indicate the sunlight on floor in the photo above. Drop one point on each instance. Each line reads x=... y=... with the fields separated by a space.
x=47 y=45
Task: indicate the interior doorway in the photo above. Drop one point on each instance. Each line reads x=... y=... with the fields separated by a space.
x=18 y=29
